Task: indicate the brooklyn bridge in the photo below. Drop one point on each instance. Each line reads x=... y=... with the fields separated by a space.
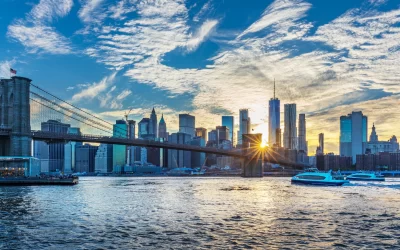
x=24 y=105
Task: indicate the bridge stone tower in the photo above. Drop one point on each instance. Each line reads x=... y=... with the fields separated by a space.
x=253 y=166
x=15 y=123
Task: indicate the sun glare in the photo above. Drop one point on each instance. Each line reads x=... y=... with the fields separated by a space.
x=263 y=145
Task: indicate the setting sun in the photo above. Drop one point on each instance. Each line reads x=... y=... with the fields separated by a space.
x=263 y=145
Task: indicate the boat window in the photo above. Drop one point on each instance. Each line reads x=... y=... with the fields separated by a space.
x=361 y=176
x=311 y=177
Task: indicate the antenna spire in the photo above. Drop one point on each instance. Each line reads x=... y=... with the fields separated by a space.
x=274 y=88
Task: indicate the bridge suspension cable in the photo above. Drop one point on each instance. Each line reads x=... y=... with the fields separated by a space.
x=70 y=116
x=71 y=110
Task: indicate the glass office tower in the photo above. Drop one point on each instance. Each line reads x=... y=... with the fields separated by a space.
x=353 y=134
x=228 y=121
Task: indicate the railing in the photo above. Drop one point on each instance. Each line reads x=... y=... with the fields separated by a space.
x=4 y=131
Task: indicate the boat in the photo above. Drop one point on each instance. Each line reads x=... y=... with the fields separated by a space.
x=317 y=178
x=364 y=176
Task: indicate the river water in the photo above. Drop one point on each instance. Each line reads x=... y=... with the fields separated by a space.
x=200 y=213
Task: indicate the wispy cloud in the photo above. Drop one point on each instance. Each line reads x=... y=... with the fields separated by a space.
x=94 y=89
x=39 y=38
x=91 y=11
x=34 y=31
x=5 y=68
x=202 y=33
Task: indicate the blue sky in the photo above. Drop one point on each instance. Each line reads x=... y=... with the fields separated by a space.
x=212 y=57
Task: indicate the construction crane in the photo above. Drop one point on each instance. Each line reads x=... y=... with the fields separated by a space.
x=127 y=113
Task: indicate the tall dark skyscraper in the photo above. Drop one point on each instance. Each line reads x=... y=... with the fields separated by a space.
x=302 y=139
x=274 y=119
x=321 y=142
x=229 y=122
x=290 y=130
x=153 y=128
x=244 y=124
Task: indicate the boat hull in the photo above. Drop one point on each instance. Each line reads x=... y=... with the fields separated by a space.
x=319 y=183
x=364 y=179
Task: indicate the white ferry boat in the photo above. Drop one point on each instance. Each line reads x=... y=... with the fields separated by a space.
x=318 y=178
x=365 y=177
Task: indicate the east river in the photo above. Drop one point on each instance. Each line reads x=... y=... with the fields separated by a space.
x=200 y=213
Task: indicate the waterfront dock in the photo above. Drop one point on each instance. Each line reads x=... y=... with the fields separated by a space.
x=36 y=181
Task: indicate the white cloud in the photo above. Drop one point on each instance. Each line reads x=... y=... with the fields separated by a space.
x=362 y=54
x=94 y=89
x=203 y=32
x=282 y=14
x=39 y=39
x=91 y=11
x=47 y=10
x=124 y=94
x=5 y=68
x=34 y=32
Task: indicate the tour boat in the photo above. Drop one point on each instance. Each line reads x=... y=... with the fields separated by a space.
x=318 y=178
x=365 y=177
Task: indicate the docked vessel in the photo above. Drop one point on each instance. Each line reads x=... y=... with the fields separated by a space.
x=318 y=178
x=365 y=177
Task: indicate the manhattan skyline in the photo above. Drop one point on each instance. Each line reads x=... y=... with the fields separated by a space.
x=212 y=58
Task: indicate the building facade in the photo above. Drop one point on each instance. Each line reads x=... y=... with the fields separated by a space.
x=85 y=158
x=274 y=119
x=302 y=138
x=353 y=134
x=153 y=128
x=229 y=122
x=103 y=162
x=52 y=155
x=120 y=130
x=375 y=146
x=69 y=152
x=162 y=129
x=187 y=124
x=290 y=130
x=179 y=158
x=201 y=132
x=244 y=124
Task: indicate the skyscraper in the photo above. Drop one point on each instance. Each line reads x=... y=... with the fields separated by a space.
x=162 y=129
x=302 y=139
x=69 y=152
x=229 y=122
x=321 y=143
x=85 y=158
x=144 y=128
x=120 y=130
x=353 y=134
x=244 y=124
x=179 y=158
x=52 y=155
x=274 y=119
x=290 y=131
x=103 y=159
x=187 y=124
x=153 y=129
x=131 y=135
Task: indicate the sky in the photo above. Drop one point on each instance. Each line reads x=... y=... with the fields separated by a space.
x=212 y=57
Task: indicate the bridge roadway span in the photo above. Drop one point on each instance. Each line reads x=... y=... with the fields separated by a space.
x=50 y=136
